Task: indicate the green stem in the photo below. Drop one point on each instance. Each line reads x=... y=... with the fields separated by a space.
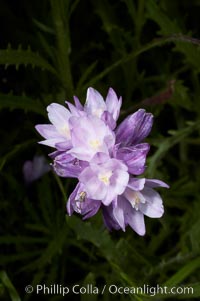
x=139 y=21
x=60 y=14
x=135 y=53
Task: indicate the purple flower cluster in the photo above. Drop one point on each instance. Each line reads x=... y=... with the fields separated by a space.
x=105 y=159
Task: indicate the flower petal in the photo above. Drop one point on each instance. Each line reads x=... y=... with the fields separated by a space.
x=95 y=189
x=63 y=145
x=154 y=205
x=90 y=135
x=81 y=153
x=120 y=181
x=134 y=128
x=135 y=219
x=134 y=157
x=136 y=184
x=90 y=208
x=73 y=109
x=113 y=104
x=78 y=104
x=35 y=169
x=109 y=219
x=53 y=142
x=82 y=205
x=47 y=131
x=155 y=183
x=109 y=120
x=67 y=166
x=70 y=203
x=95 y=104
x=119 y=212
x=58 y=115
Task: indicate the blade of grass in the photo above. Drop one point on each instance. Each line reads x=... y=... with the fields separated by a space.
x=9 y=286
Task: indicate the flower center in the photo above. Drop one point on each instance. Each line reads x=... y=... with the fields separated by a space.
x=136 y=199
x=80 y=200
x=98 y=112
x=95 y=143
x=65 y=131
x=105 y=177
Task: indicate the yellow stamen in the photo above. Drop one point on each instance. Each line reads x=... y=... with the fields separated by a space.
x=105 y=178
x=65 y=131
x=82 y=196
x=136 y=200
x=95 y=144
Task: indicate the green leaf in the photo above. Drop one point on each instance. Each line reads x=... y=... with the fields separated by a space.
x=183 y=273
x=194 y=233
x=73 y=7
x=191 y=52
x=168 y=143
x=19 y=57
x=167 y=25
x=46 y=47
x=89 y=279
x=180 y=96
x=21 y=102
x=8 y=239
x=102 y=240
x=60 y=15
x=10 y=258
x=85 y=76
x=43 y=27
x=9 y=286
x=196 y=291
x=170 y=27
x=53 y=248
x=99 y=237
x=15 y=149
x=130 y=251
x=133 y=54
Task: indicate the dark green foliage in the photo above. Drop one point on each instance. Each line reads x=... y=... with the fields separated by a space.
x=149 y=52
x=19 y=57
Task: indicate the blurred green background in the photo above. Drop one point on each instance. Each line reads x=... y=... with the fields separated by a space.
x=149 y=53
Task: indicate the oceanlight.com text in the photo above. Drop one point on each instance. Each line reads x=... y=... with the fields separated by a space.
x=113 y=289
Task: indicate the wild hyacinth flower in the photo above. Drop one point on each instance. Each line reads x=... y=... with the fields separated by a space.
x=135 y=128
x=104 y=179
x=35 y=169
x=95 y=105
x=65 y=165
x=138 y=199
x=105 y=160
x=108 y=110
x=80 y=203
x=57 y=134
x=129 y=135
x=90 y=135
